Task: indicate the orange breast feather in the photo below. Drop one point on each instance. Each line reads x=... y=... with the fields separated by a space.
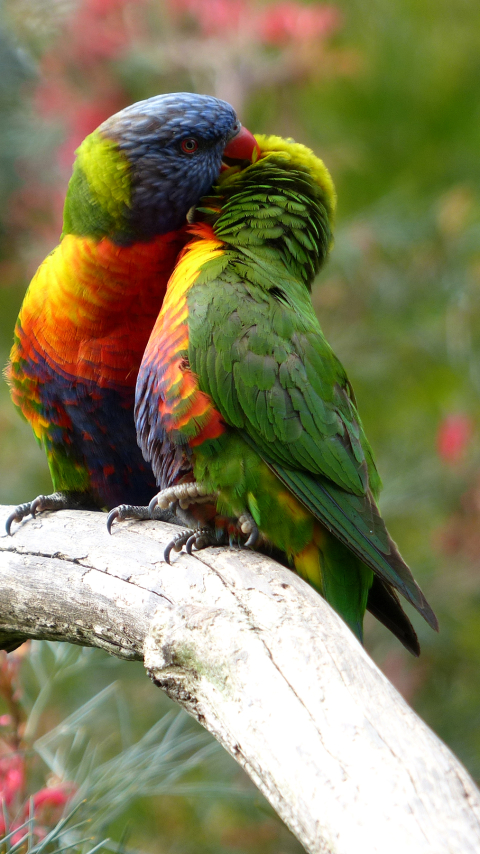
x=91 y=305
x=182 y=407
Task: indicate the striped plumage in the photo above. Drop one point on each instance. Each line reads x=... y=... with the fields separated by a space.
x=89 y=310
x=239 y=383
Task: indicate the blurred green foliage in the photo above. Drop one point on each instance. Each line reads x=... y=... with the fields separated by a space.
x=389 y=99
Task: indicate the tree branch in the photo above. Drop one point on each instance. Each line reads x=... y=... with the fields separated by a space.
x=253 y=653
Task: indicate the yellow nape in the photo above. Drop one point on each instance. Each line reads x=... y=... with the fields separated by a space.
x=108 y=171
x=299 y=155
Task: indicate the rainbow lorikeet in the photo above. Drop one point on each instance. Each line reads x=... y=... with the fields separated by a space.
x=242 y=405
x=91 y=306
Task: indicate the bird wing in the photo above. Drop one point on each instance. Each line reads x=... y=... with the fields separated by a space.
x=260 y=355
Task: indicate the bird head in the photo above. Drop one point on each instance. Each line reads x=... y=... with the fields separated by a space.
x=140 y=172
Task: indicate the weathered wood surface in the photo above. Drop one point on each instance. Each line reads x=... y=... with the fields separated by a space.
x=264 y=664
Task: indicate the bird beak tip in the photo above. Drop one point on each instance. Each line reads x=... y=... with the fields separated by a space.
x=243 y=146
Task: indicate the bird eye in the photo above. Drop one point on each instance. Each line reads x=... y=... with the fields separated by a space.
x=189 y=145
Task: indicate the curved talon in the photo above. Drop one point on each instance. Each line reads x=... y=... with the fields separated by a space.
x=253 y=538
x=200 y=539
x=36 y=505
x=114 y=514
x=168 y=549
x=176 y=544
x=14 y=517
x=19 y=514
x=153 y=503
x=190 y=543
x=55 y=501
x=166 y=553
x=128 y=511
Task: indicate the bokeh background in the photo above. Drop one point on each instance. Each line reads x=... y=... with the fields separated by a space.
x=387 y=93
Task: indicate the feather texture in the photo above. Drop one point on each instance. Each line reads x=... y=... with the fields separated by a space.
x=258 y=403
x=79 y=340
x=89 y=310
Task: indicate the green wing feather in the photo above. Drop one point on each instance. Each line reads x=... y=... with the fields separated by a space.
x=270 y=371
x=261 y=356
x=259 y=352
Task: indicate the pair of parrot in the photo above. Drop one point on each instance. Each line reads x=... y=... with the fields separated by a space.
x=244 y=416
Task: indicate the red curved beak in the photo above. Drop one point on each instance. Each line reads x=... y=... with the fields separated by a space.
x=243 y=146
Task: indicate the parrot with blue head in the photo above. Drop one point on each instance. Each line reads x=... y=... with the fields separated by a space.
x=90 y=308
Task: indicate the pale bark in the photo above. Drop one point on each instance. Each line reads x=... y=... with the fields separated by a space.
x=264 y=664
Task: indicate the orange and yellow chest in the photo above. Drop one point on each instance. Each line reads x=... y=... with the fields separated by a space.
x=91 y=306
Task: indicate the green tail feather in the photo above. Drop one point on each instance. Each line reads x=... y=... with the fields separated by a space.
x=357 y=523
x=384 y=604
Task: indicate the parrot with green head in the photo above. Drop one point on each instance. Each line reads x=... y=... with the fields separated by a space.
x=244 y=411
x=90 y=308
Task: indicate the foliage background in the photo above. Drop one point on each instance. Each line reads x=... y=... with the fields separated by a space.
x=386 y=91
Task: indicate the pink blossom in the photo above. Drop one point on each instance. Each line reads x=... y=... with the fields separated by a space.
x=97 y=31
x=12 y=777
x=53 y=796
x=213 y=17
x=453 y=438
x=277 y=23
x=291 y=21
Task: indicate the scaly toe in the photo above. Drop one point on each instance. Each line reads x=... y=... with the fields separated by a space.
x=176 y=544
x=200 y=539
x=17 y=515
x=128 y=511
x=184 y=493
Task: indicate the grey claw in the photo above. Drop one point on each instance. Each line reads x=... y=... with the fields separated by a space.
x=8 y=524
x=17 y=515
x=190 y=543
x=153 y=503
x=176 y=544
x=36 y=505
x=253 y=538
x=200 y=539
x=166 y=554
x=114 y=514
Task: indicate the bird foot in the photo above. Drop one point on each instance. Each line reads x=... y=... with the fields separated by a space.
x=249 y=526
x=201 y=538
x=55 y=501
x=140 y=513
x=183 y=493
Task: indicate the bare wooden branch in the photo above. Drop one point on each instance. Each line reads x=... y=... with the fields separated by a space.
x=264 y=664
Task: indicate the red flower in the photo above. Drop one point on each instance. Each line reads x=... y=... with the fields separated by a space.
x=290 y=21
x=213 y=17
x=278 y=23
x=12 y=777
x=453 y=437
x=54 y=796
